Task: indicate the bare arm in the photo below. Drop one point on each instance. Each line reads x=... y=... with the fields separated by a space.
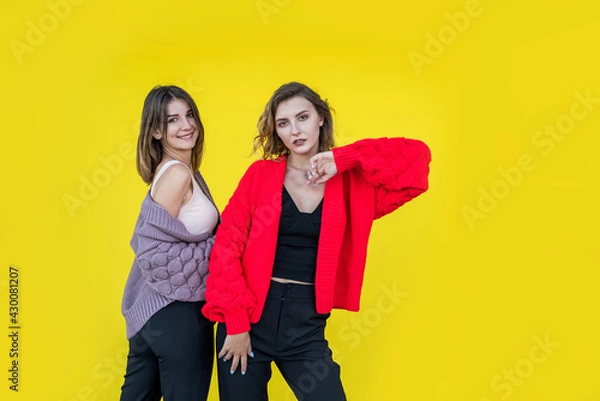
x=170 y=190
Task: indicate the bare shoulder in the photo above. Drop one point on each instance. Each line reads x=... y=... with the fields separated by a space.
x=174 y=181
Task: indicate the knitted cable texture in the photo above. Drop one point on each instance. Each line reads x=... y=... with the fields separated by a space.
x=171 y=264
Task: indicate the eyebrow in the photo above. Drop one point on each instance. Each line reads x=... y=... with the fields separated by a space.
x=175 y=115
x=297 y=114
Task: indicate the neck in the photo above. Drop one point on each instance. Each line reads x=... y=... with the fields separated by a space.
x=185 y=157
x=301 y=162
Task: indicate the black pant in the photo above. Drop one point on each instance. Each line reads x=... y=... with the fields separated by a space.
x=172 y=356
x=292 y=334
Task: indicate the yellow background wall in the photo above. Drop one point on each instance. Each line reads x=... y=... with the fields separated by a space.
x=483 y=289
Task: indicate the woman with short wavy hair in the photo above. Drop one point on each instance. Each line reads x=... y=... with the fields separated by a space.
x=293 y=243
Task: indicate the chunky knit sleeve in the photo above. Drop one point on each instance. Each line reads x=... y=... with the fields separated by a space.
x=177 y=270
x=228 y=298
x=398 y=168
x=171 y=260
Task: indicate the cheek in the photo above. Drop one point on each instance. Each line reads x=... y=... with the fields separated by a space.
x=170 y=130
x=316 y=129
x=280 y=132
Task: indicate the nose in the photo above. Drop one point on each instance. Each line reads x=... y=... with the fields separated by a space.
x=185 y=124
x=295 y=129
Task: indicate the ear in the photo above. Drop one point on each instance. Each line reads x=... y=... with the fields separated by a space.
x=157 y=135
x=321 y=121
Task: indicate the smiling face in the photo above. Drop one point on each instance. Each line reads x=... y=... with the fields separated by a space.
x=181 y=133
x=297 y=124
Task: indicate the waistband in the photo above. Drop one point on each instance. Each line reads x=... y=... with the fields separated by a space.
x=301 y=291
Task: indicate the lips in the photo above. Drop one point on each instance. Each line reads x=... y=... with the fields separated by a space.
x=299 y=142
x=188 y=136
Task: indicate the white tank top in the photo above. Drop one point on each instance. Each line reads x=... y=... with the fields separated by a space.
x=198 y=215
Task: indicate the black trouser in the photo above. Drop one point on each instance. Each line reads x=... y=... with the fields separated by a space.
x=172 y=356
x=292 y=334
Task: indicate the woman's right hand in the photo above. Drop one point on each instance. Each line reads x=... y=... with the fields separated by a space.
x=238 y=347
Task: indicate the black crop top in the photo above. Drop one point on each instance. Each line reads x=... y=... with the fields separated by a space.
x=297 y=241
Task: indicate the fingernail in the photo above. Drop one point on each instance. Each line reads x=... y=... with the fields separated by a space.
x=251 y=354
x=224 y=359
x=231 y=372
x=243 y=373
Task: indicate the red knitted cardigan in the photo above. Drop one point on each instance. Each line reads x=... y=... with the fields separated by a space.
x=375 y=177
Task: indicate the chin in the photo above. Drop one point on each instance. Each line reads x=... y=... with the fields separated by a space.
x=300 y=152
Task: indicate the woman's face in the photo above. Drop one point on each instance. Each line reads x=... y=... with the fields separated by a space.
x=297 y=125
x=181 y=134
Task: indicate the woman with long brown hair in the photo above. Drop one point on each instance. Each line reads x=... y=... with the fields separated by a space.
x=171 y=347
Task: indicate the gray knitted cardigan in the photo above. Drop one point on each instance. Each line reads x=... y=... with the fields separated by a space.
x=170 y=263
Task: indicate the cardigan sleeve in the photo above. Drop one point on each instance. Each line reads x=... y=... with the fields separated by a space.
x=228 y=298
x=172 y=261
x=398 y=168
x=177 y=270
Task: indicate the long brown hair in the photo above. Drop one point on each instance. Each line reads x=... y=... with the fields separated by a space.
x=154 y=118
x=267 y=139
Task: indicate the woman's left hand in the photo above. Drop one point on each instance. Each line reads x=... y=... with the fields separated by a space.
x=322 y=168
